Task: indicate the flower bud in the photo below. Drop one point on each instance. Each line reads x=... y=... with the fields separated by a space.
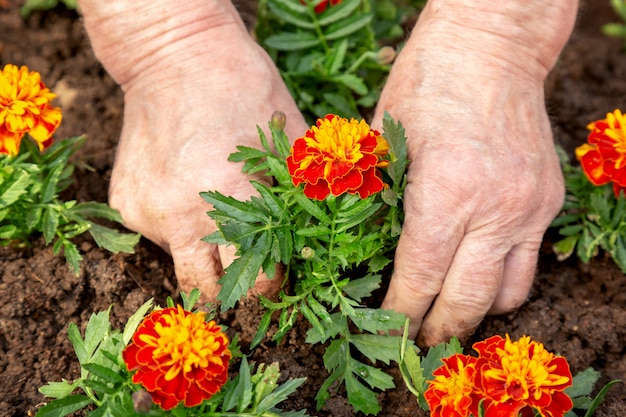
x=386 y=55
x=142 y=402
x=307 y=252
x=279 y=119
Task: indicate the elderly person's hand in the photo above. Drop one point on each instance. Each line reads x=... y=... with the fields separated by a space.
x=484 y=178
x=196 y=85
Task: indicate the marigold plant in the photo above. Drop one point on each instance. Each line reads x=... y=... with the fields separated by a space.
x=178 y=357
x=452 y=391
x=603 y=158
x=338 y=156
x=25 y=108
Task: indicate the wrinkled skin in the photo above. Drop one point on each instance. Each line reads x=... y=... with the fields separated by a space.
x=484 y=179
x=188 y=104
x=468 y=87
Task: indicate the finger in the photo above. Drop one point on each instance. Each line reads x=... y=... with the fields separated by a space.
x=469 y=290
x=197 y=265
x=519 y=271
x=425 y=250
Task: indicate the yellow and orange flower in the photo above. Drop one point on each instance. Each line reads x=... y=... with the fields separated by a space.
x=25 y=108
x=178 y=356
x=452 y=393
x=338 y=156
x=520 y=376
x=603 y=158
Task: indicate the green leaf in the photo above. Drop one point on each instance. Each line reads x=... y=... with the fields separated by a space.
x=276 y=207
x=358 y=218
x=241 y=275
x=374 y=377
x=280 y=394
x=7 y=232
x=103 y=372
x=79 y=344
x=72 y=257
x=291 y=12
x=338 y=12
x=235 y=209
x=264 y=325
x=49 y=190
x=50 y=223
x=310 y=207
x=582 y=383
x=348 y=26
x=376 y=320
x=353 y=82
x=97 y=329
x=395 y=135
x=375 y=347
x=241 y=394
x=59 y=389
x=598 y=398
x=362 y=398
x=337 y=57
x=362 y=287
x=134 y=321
x=13 y=188
x=64 y=406
x=112 y=240
x=93 y=209
x=288 y=41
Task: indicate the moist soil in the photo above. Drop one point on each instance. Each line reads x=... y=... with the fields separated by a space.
x=575 y=309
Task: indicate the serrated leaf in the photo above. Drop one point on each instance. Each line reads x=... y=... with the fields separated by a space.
x=376 y=347
x=113 y=240
x=273 y=203
x=49 y=189
x=79 y=344
x=582 y=383
x=11 y=190
x=64 y=406
x=234 y=208
x=97 y=329
x=375 y=320
x=72 y=256
x=359 y=218
x=395 y=135
x=94 y=209
x=241 y=275
x=50 y=223
x=361 y=288
x=360 y=397
x=262 y=329
x=103 y=372
x=288 y=41
x=374 y=377
x=310 y=207
x=59 y=389
x=337 y=57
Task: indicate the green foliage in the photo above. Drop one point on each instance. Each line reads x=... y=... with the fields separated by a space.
x=617 y=30
x=30 y=203
x=333 y=250
x=106 y=384
x=30 y=6
x=592 y=219
x=330 y=60
x=581 y=389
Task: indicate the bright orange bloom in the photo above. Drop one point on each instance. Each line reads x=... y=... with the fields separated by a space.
x=603 y=158
x=178 y=357
x=518 y=376
x=25 y=108
x=338 y=156
x=452 y=393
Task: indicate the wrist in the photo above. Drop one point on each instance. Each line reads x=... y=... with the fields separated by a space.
x=132 y=37
x=523 y=38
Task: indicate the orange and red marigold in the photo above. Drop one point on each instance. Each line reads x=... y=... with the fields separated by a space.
x=510 y=378
x=178 y=357
x=338 y=156
x=603 y=158
x=25 y=108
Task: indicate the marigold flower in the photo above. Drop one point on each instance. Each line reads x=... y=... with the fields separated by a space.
x=25 y=108
x=452 y=393
x=178 y=357
x=338 y=156
x=518 y=376
x=603 y=158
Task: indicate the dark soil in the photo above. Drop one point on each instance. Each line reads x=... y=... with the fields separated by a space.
x=575 y=309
